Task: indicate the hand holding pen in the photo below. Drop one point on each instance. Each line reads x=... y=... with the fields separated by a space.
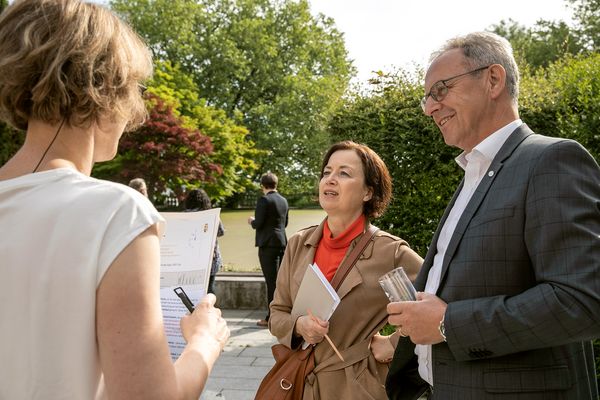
x=204 y=321
x=184 y=298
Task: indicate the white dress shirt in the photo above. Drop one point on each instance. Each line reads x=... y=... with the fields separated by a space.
x=475 y=164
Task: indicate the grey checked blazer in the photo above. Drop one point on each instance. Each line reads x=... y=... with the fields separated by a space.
x=521 y=277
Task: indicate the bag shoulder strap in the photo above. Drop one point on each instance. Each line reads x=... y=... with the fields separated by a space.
x=349 y=262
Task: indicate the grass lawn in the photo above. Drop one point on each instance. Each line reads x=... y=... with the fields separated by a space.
x=237 y=245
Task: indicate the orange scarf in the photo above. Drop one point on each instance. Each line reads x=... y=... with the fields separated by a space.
x=331 y=251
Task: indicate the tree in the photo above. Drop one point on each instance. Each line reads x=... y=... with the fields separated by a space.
x=169 y=156
x=587 y=16
x=541 y=45
x=282 y=69
x=232 y=149
x=549 y=41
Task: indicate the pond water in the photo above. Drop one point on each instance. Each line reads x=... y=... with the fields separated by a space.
x=237 y=245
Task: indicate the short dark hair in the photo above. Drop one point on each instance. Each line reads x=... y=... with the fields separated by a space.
x=269 y=180
x=197 y=199
x=377 y=177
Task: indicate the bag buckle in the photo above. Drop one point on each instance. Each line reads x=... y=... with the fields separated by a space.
x=285 y=384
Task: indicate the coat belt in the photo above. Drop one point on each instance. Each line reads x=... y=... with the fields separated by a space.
x=351 y=355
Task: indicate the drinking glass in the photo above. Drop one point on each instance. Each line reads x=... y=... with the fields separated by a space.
x=397 y=286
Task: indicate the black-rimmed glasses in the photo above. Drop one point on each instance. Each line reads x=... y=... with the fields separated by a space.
x=439 y=90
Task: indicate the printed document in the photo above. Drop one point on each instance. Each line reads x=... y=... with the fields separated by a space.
x=186 y=251
x=315 y=294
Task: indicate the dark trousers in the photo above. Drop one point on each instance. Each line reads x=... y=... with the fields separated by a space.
x=211 y=284
x=270 y=260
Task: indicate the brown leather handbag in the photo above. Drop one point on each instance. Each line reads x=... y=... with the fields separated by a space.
x=285 y=381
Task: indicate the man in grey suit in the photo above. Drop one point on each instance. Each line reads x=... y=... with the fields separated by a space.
x=511 y=283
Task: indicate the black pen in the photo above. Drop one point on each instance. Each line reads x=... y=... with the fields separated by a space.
x=184 y=299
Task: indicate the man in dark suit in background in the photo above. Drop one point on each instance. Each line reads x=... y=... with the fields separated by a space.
x=510 y=287
x=270 y=220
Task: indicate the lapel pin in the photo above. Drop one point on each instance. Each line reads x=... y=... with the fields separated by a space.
x=491 y=173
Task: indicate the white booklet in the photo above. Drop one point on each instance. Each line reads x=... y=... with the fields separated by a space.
x=315 y=294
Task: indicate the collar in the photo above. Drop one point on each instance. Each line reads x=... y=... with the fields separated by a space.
x=344 y=239
x=489 y=147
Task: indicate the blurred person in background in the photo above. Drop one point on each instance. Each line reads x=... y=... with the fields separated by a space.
x=139 y=184
x=198 y=200
x=270 y=220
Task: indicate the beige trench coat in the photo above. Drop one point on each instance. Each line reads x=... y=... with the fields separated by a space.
x=360 y=315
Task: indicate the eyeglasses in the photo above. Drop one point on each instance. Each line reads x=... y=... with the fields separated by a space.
x=439 y=90
x=142 y=88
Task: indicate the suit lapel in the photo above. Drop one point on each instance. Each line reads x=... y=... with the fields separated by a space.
x=480 y=192
x=428 y=262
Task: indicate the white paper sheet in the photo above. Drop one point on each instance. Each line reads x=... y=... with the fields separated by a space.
x=186 y=251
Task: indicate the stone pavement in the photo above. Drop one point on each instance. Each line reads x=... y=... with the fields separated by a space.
x=246 y=358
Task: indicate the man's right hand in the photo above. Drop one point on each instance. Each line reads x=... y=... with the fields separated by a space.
x=250 y=220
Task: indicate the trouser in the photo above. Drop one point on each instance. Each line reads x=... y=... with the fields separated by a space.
x=270 y=260
x=211 y=283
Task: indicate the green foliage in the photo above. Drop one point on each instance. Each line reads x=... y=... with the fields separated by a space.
x=563 y=100
x=587 y=16
x=233 y=150
x=549 y=41
x=541 y=45
x=11 y=140
x=273 y=63
x=389 y=119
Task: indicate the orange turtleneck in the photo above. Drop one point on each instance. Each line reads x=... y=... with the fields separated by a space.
x=331 y=251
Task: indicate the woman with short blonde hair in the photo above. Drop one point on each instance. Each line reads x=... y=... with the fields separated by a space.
x=79 y=277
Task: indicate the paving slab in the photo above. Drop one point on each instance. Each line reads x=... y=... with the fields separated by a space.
x=246 y=358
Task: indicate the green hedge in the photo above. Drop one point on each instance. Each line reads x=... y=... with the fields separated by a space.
x=11 y=140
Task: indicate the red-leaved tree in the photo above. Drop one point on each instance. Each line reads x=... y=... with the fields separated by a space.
x=168 y=155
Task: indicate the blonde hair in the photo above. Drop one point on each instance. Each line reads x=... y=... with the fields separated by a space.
x=65 y=59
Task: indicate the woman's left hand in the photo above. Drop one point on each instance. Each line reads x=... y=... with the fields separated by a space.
x=382 y=348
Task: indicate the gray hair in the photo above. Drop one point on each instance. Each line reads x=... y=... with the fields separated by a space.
x=138 y=184
x=486 y=48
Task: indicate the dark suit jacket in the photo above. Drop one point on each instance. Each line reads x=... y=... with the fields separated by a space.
x=521 y=277
x=270 y=220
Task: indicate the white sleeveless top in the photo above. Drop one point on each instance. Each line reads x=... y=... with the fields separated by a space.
x=61 y=230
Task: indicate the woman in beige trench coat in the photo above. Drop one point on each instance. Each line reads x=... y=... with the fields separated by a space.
x=355 y=187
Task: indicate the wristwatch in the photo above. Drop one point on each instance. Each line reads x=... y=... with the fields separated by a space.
x=442 y=328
